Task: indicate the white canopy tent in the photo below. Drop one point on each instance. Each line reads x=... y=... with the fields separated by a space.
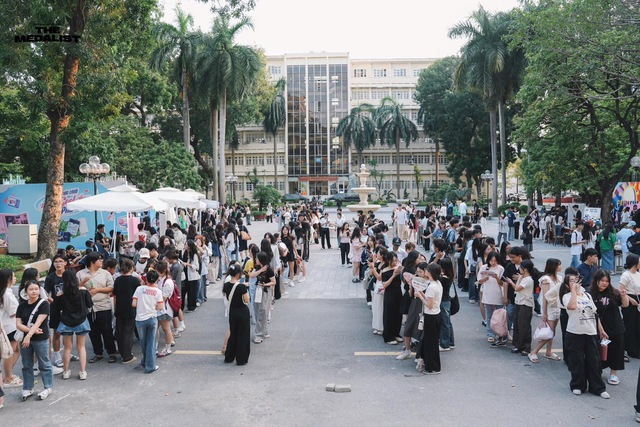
x=123 y=198
x=178 y=198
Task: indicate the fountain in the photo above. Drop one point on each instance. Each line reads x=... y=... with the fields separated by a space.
x=363 y=191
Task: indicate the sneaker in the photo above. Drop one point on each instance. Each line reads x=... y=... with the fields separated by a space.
x=302 y=280
x=577 y=392
x=153 y=370
x=451 y=347
x=369 y=304
x=404 y=355
x=56 y=370
x=44 y=393
x=491 y=339
x=75 y=358
x=82 y=375
x=394 y=342
x=515 y=350
x=175 y=333
x=472 y=301
x=26 y=394
x=164 y=353
x=173 y=343
x=291 y=284
x=181 y=328
x=399 y=339
x=445 y=348
x=638 y=417
x=36 y=372
x=605 y=395
x=420 y=365
x=58 y=363
x=497 y=344
x=66 y=375
x=198 y=304
x=126 y=362
x=431 y=372
x=375 y=332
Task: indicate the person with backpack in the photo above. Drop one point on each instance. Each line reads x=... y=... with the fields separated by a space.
x=165 y=316
x=123 y=289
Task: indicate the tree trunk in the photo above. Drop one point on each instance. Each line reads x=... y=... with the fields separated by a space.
x=223 y=130
x=186 y=138
x=59 y=118
x=539 y=197
x=275 y=162
x=558 y=198
x=494 y=163
x=213 y=131
x=398 y=195
x=233 y=172
x=360 y=159
x=437 y=163
x=503 y=152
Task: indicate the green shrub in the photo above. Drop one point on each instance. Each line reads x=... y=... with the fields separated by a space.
x=523 y=209
x=329 y=203
x=8 y=261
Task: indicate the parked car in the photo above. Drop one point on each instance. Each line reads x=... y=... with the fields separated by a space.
x=345 y=197
x=292 y=197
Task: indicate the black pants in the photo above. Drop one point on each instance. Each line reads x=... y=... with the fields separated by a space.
x=239 y=343
x=522 y=328
x=124 y=335
x=324 y=235
x=102 y=332
x=344 y=253
x=584 y=363
x=429 y=346
x=631 y=330
x=564 y=319
x=189 y=294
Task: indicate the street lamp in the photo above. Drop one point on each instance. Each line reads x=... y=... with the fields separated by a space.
x=635 y=164
x=487 y=176
x=232 y=179
x=94 y=170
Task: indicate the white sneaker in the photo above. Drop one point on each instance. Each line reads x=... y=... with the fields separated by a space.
x=291 y=284
x=577 y=392
x=404 y=355
x=302 y=279
x=369 y=304
x=605 y=395
x=44 y=394
x=57 y=371
x=66 y=375
x=36 y=372
x=82 y=375
x=26 y=394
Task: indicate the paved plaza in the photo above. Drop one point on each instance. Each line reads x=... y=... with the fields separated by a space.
x=321 y=333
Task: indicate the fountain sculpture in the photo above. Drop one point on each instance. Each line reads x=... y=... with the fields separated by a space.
x=363 y=191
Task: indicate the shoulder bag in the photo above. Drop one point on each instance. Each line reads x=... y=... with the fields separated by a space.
x=228 y=306
x=6 y=351
x=455 y=302
x=19 y=335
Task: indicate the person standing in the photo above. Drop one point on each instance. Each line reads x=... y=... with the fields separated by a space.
x=429 y=349
x=630 y=282
x=524 y=308
x=401 y=222
x=8 y=309
x=583 y=351
x=266 y=280
x=589 y=267
x=238 y=345
x=74 y=305
x=324 y=231
x=147 y=300
x=31 y=319
x=99 y=283
x=123 y=289
x=392 y=315
x=607 y=240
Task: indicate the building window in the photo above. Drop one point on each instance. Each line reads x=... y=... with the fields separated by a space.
x=378 y=94
x=239 y=161
x=441 y=159
x=358 y=95
x=401 y=94
x=270 y=160
x=417 y=71
x=249 y=186
x=414 y=116
x=275 y=70
x=359 y=72
x=400 y=72
x=227 y=161
x=380 y=72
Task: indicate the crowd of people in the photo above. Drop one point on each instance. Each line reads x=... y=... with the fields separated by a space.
x=409 y=290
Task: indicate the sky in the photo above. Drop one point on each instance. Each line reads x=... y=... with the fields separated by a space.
x=365 y=29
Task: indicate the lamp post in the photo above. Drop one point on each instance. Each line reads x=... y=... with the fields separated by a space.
x=94 y=170
x=487 y=176
x=635 y=164
x=232 y=179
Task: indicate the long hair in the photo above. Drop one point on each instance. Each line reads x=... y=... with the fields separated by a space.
x=70 y=290
x=447 y=266
x=6 y=274
x=551 y=267
x=611 y=292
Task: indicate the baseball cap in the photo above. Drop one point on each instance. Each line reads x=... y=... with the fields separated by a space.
x=396 y=241
x=144 y=253
x=631 y=224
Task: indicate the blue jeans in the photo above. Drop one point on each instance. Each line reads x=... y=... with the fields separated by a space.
x=511 y=233
x=511 y=312
x=446 y=328
x=488 y=311
x=252 y=297
x=201 y=286
x=501 y=237
x=473 y=289
x=41 y=350
x=147 y=333
x=219 y=267
x=575 y=261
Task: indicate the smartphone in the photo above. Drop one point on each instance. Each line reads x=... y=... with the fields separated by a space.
x=504 y=279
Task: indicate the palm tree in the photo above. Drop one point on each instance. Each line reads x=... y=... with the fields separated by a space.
x=177 y=43
x=358 y=129
x=230 y=68
x=275 y=117
x=489 y=67
x=422 y=119
x=393 y=126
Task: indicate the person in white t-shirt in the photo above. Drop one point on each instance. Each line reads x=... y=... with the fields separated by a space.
x=147 y=300
x=524 y=308
x=165 y=316
x=429 y=351
x=490 y=277
x=583 y=351
x=549 y=285
x=462 y=208
x=577 y=244
x=400 y=217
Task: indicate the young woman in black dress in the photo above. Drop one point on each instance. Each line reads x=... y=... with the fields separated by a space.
x=392 y=315
x=238 y=345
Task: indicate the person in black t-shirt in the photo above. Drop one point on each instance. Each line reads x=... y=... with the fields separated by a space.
x=238 y=344
x=608 y=301
x=266 y=280
x=123 y=290
x=53 y=286
x=36 y=340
